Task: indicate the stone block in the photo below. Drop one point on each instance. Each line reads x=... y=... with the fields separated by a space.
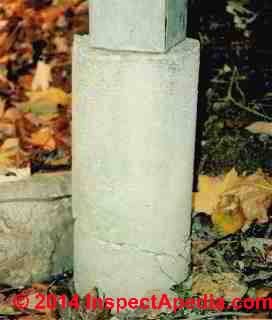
x=153 y=25
x=36 y=228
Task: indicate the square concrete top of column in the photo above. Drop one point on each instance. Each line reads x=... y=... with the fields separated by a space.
x=137 y=25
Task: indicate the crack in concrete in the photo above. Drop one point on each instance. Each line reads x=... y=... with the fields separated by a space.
x=57 y=198
x=164 y=272
x=148 y=251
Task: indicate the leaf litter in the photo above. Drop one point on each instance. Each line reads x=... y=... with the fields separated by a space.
x=35 y=81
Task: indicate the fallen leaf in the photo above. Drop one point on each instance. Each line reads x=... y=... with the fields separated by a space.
x=8 y=310
x=225 y=284
x=42 y=77
x=61 y=44
x=233 y=201
x=7 y=129
x=255 y=194
x=12 y=114
x=44 y=138
x=45 y=103
x=8 y=153
x=228 y=216
x=263 y=292
x=26 y=81
x=2 y=108
x=50 y=15
x=258 y=316
x=54 y=95
x=260 y=127
x=11 y=143
x=210 y=189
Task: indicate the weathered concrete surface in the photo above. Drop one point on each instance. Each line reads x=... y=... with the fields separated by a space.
x=153 y=25
x=134 y=118
x=36 y=228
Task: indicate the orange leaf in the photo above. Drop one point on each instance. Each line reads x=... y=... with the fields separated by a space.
x=12 y=114
x=44 y=138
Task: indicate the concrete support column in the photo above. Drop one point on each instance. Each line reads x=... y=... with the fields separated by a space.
x=134 y=117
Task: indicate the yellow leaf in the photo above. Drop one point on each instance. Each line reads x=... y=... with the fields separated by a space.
x=54 y=95
x=45 y=103
x=234 y=201
x=228 y=217
x=209 y=190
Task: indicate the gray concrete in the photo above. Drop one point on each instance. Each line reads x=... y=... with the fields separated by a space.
x=141 y=25
x=36 y=228
x=134 y=118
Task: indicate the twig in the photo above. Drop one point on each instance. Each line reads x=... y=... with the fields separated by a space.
x=229 y=95
x=242 y=106
x=214 y=243
x=11 y=289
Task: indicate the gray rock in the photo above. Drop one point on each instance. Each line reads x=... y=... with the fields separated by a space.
x=36 y=228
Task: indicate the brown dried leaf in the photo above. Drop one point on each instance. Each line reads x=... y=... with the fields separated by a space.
x=7 y=129
x=2 y=108
x=263 y=292
x=258 y=316
x=225 y=284
x=255 y=194
x=50 y=15
x=260 y=127
x=25 y=81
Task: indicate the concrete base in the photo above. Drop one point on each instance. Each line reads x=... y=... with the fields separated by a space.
x=36 y=228
x=126 y=271
x=134 y=118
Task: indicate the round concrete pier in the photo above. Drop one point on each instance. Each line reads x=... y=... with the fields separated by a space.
x=134 y=118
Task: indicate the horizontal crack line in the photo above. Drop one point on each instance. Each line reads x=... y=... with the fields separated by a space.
x=155 y=253
x=50 y=199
